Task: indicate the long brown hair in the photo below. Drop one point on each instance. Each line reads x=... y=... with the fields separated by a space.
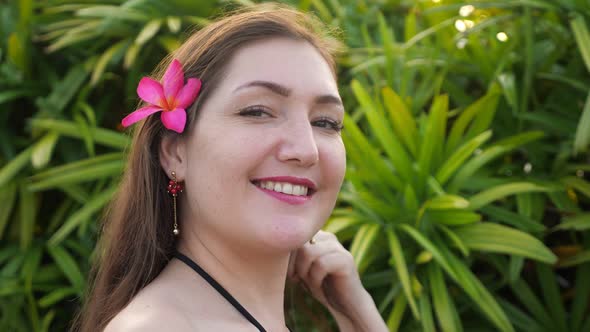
x=136 y=239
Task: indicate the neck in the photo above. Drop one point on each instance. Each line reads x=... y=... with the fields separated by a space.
x=255 y=279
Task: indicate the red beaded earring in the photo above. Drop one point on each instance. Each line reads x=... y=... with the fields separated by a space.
x=174 y=188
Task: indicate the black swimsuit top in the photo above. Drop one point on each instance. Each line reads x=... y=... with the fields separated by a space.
x=193 y=265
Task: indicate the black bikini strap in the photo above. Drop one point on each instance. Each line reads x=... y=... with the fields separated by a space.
x=220 y=289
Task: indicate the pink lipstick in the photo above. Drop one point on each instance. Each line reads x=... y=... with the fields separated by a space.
x=290 y=199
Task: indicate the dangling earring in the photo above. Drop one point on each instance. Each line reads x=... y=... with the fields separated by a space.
x=174 y=188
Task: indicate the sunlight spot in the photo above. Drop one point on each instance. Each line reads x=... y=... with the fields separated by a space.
x=461 y=43
x=460 y=26
x=528 y=167
x=502 y=36
x=466 y=10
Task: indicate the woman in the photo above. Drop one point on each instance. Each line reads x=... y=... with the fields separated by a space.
x=231 y=175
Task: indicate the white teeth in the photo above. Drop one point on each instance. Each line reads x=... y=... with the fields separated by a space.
x=287 y=188
x=284 y=187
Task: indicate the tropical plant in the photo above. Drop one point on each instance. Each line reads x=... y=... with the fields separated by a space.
x=61 y=71
x=467 y=136
x=429 y=199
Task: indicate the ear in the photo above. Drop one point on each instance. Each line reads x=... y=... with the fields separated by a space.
x=173 y=155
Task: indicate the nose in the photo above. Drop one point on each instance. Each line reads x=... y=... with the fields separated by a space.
x=298 y=144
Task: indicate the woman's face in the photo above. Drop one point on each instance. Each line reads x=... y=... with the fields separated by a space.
x=271 y=126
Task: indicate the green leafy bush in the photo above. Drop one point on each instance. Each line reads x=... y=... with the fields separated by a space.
x=466 y=196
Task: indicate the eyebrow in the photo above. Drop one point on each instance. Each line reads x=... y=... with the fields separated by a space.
x=285 y=92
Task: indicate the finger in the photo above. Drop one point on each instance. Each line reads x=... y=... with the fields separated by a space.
x=330 y=263
x=305 y=256
x=309 y=252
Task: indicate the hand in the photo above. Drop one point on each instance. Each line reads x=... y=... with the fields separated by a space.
x=329 y=272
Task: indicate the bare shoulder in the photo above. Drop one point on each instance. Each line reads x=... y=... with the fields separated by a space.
x=148 y=312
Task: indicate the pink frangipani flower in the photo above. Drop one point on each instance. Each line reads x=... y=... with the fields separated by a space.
x=172 y=97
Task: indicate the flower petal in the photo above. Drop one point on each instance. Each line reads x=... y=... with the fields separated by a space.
x=151 y=91
x=174 y=120
x=173 y=79
x=189 y=92
x=139 y=115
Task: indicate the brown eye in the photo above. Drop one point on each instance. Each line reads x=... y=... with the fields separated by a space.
x=254 y=111
x=328 y=124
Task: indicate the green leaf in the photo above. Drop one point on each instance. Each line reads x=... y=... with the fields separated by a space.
x=521 y=320
x=47 y=319
x=526 y=296
x=30 y=266
x=401 y=119
x=430 y=149
x=446 y=202
x=387 y=40
x=453 y=217
x=581 y=296
x=168 y=43
x=362 y=244
x=104 y=60
x=9 y=171
x=56 y=295
x=478 y=292
x=363 y=154
x=68 y=266
x=428 y=245
x=149 y=30
x=482 y=105
x=492 y=237
x=457 y=159
x=489 y=154
x=582 y=139
x=402 y=269
x=339 y=224
x=552 y=296
x=42 y=151
x=578 y=184
x=455 y=240
x=113 y=12
x=426 y=314
x=17 y=51
x=486 y=197
x=395 y=317
x=67 y=174
x=131 y=55
x=101 y=136
x=6 y=96
x=84 y=32
x=515 y=268
x=7 y=197
x=444 y=307
x=93 y=205
x=579 y=222
x=577 y=259
x=386 y=137
x=514 y=219
x=582 y=36
x=174 y=24
x=28 y=214
x=64 y=90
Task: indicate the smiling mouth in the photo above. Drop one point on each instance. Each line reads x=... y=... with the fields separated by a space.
x=285 y=188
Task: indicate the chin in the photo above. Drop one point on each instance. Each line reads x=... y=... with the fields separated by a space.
x=289 y=233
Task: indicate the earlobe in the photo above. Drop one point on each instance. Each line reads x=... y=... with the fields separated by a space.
x=172 y=155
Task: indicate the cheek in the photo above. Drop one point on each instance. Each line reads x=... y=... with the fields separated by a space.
x=333 y=159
